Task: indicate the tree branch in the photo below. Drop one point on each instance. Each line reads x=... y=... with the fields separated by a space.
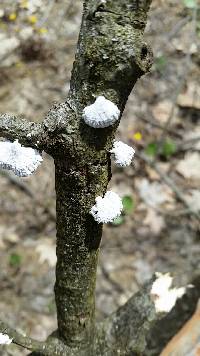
x=112 y=53
x=28 y=133
x=110 y=58
x=53 y=346
x=52 y=132
x=21 y=340
x=126 y=331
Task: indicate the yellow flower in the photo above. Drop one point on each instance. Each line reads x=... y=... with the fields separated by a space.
x=32 y=19
x=137 y=136
x=13 y=16
x=42 y=30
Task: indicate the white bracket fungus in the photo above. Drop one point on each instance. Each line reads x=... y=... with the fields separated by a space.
x=107 y=208
x=23 y=161
x=4 y=339
x=123 y=154
x=163 y=295
x=102 y=113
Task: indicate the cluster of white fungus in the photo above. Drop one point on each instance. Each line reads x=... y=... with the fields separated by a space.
x=107 y=208
x=23 y=161
x=123 y=154
x=163 y=295
x=102 y=113
x=4 y=339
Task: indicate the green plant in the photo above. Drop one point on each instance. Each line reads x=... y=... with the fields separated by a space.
x=15 y=260
x=152 y=149
x=160 y=63
x=128 y=207
x=168 y=148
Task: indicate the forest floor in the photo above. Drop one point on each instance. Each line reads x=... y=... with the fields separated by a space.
x=159 y=230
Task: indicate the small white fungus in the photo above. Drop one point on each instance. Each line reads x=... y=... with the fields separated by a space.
x=4 y=339
x=107 y=208
x=102 y=113
x=123 y=154
x=23 y=161
x=163 y=295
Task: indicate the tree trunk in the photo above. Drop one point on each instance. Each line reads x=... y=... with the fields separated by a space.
x=78 y=239
x=111 y=56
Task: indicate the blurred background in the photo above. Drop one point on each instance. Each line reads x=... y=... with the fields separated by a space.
x=159 y=229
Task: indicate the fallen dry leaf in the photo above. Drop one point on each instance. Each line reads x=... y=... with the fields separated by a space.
x=190 y=98
x=189 y=167
x=153 y=194
x=7 y=235
x=184 y=47
x=155 y=221
x=163 y=166
x=190 y=135
x=47 y=252
x=194 y=200
x=162 y=110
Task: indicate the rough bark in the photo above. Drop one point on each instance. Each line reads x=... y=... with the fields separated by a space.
x=27 y=132
x=111 y=56
x=125 y=334
x=78 y=238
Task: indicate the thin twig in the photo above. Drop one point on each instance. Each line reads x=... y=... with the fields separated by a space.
x=154 y=123
x=187 y=144
x=53 y=346
x=178 y=26
x=21 y=340
x=17 y=182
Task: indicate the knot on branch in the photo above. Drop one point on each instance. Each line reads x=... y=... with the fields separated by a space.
x=144 y=58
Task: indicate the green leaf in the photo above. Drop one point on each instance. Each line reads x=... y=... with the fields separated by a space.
x=190 y=4
x=160 y=63
x=118 y=221
x=168 y=148
x=15 y=260
x=151 y=149
x=128 y=204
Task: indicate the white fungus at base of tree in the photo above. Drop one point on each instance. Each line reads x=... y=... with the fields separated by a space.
x=102 y=113
x=23 y=161
x=108 y=208
x=4 y=339
x=123 y=154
